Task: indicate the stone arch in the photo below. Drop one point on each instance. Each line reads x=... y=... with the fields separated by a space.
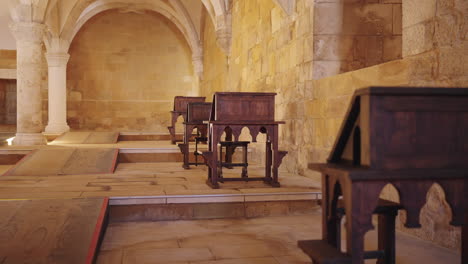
x=219 y=7
x=84 y=11
x=140 y=63
x=209 y=9
x=390 y=192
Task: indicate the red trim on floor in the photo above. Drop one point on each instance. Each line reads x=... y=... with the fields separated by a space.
x=23 y=159
x=117 y=137
x=97 y=232
x=114 y=161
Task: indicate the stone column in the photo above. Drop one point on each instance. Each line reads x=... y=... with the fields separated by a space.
x=57 y=93
x=29 y=36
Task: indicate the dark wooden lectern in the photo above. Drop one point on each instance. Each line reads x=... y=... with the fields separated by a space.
x=180 y=109
x=408 y=137
x=197 y=116
x=233 y=111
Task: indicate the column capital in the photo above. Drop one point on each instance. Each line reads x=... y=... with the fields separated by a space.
x=57 y=59
x=224 y=32
x=28 y=31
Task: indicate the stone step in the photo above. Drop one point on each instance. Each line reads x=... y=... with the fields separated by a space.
x=195 y=207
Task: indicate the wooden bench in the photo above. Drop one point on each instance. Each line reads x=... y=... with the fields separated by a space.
x=230 y=147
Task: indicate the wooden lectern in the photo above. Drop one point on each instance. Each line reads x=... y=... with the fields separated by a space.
x=232 y=111
x=197 y=116
x=180 y=109
x=408 y=137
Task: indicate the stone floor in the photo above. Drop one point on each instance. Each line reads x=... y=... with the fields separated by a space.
x=222 y=241
x=162 y=181
x=267 y=240
x=156 y=180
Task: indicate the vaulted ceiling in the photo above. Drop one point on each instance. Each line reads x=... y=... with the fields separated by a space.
x=64 y=18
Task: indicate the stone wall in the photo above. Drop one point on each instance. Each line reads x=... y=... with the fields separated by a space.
x=124 y=71
x=274 y=52
x=350 y=35
x=329 y=101
x=270 y=52
x=435 y=39
x=214 y=61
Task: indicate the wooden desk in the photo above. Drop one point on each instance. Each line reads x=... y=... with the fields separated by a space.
x=408 y=137
x=180 y=109
x=233 y=111
x=65 y=231
x=196 y=116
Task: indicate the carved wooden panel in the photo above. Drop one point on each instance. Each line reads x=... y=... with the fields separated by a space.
x=244 y=107
x=180 y=102
x=198 y=112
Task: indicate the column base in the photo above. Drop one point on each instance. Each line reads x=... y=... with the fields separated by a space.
x=28 y=139
x=57 y=128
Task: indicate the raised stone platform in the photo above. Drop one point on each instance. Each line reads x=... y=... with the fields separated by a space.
x=148 y=172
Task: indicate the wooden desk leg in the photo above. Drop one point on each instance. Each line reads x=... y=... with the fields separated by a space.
x=174 y=117
x=386 y=237
x=464 y=247
x=186 y=146
x=220 y=171
x=244 y=160
x=213 y=144
x=229 y=153
x=331 y=222
x=360 y=199
x=276 y=160
x=268 y=161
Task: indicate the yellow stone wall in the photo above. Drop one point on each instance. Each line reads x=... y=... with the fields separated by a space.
x=274 y=52
x=124 y=71
x=214 y=61
x=270 y=52
x=351 y=35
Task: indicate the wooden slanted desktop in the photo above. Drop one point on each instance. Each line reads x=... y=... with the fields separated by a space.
x=180 y=109
x=197 y=116
x=408 y=137
x=232 y=111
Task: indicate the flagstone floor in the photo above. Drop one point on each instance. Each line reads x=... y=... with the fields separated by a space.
x=267 y=240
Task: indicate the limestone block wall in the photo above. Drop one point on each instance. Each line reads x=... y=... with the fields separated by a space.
x=124 y=71
x=435 y=39
x=214 y=61
x=350 y=35
x=270 y=52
